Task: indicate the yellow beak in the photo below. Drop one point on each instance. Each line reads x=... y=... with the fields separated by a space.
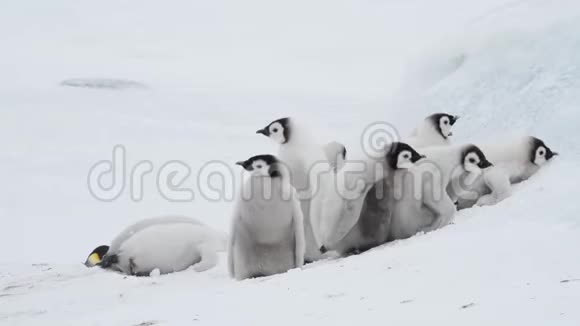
x=93 y=260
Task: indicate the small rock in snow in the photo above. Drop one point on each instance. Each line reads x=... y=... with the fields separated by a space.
x=103 y=83
x=469 y=305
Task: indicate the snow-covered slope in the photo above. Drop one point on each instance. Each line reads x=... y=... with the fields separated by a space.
x=213 y=74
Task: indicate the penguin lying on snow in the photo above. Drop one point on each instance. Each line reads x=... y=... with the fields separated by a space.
x=267 y=232
x=166 y=244
x=514 y=161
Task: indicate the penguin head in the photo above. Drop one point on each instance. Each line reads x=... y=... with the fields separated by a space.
x=443 y=123
x=96 y=256
x=277 y=130
x=473 y=160
x=540 y=153
x=402 y=156
x=262 y=165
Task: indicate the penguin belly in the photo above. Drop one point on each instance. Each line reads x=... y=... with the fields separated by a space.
x=312 y=247
x=264 y=237
x=255 y=259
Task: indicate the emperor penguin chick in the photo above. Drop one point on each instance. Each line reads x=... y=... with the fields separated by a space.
x=425 y=195
x=167 y=244
x=97 y=255
x=373 y=224
x=309 y=169
x=514 y=161
x=435 y=130
x=267 y=231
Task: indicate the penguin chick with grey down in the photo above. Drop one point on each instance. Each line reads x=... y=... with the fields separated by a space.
x=309 y=171
x=267 y=231
x=514 y=161
x=425 y=195
x=372 y=227
x=435 y=130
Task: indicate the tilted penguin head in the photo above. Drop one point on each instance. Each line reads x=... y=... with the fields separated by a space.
x=473 y=160
x=443 y=123
x=278 y=130
x=96 y=256
x=402 y=156
x=262 y=165
x=540 y=153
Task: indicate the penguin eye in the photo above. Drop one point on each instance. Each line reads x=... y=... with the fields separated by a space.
x=472 y=160
x=406 y=156
x=258 y=166
x=445 y=122
x=542 y=153
x=275 y=130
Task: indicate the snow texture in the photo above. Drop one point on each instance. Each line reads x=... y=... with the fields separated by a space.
x=218 y=70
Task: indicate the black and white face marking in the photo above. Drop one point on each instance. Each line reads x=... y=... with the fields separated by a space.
x=402 y=156
x=443 y=122
x=474 y=160
x=278 y=130
x=263 y=165
x=96 y=256
x=540 y=153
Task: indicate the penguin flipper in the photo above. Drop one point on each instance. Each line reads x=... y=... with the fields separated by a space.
x=298 y=229
x=443 y=209
x=232 y=242
x=499 y=184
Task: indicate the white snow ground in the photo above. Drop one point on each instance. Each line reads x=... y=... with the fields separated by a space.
x=217 y=71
